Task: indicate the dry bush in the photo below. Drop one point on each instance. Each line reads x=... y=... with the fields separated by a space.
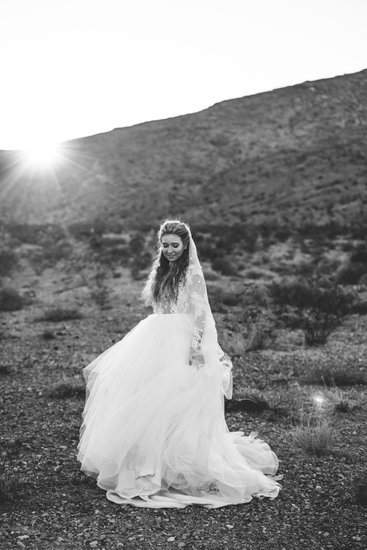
x=4 y=370
x=256 y=273
x=316 y=304
x=361 y=491
x=329 y=375
x=100 y=292
x=59 y=314
x=8 y=260
x=140 y=256
x=11 y=488
x=48 y=335
x=260 y=332
x=10 y=299
x=224 y=266
x=351 y=273
x=66 y=389
x=254 y=402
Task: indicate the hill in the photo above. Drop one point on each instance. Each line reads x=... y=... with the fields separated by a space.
x=292 y=156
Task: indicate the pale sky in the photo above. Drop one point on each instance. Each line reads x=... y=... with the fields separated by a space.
x=72 y=68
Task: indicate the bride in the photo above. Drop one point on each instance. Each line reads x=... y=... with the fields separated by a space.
x=154 y=433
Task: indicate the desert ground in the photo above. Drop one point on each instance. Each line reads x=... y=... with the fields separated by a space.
x=307 y=401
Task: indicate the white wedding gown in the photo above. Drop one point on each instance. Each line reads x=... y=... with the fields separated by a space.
x=154 y=433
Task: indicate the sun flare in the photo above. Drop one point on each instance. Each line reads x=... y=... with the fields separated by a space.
x=42 y=154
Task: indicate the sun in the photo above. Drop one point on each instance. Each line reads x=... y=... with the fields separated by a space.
x=42 y=154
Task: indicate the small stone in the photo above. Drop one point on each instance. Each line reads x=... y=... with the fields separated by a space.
x=230 y=526
x=93 y=544
x=170 y=539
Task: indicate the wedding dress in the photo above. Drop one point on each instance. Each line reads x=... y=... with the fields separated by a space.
x=154 y=432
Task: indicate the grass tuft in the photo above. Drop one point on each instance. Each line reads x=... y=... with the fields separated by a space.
x=313 y=432
x=315 y=440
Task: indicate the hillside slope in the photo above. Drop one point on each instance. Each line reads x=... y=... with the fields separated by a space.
x=294 y=155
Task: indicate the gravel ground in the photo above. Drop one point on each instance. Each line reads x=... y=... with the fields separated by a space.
x=51 y=505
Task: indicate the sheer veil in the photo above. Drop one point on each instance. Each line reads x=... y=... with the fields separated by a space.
x=205 y=332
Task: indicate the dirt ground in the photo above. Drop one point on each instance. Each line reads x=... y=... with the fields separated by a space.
x=48 y=504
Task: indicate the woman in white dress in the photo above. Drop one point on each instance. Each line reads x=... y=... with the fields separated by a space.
x=154 y=433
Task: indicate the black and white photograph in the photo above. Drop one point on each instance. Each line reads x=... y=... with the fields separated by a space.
x=183 y=275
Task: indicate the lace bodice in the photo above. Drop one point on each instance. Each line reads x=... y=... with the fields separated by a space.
x=190 y=300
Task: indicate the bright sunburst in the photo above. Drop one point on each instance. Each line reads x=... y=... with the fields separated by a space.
x=41 y=155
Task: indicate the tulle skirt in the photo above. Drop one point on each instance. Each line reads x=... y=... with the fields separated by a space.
x=154 y=433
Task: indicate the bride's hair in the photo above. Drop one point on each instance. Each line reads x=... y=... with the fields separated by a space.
x=165 y=276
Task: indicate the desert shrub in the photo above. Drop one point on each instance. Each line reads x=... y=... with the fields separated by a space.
x=359 y=256
x=224 y=266
x=250 y=403
x=363 y=280
x=4 y=370
x=10 y=488
x=351 y=273
x=207 y=250
x=58 y=314
x=216 y=294
x=100 y=292
x=256 y=273
x=359 y=307
x=139 y=254
x=8 y=261
x=361 y=490
x=48 y=335
x=316 y=304
x=101 y=296
x=235 y=343
x=331 y=376
x=64 y=390
x=260 y=330
x=41 y=234
x=211 y=275
x=10 y=299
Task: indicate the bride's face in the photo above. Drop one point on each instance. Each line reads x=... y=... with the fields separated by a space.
x=172 y=246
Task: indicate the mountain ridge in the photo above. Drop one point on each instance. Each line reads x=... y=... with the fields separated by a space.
x=294 y=155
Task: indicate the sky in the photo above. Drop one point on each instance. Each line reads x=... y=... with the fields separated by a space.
x=71 y=68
